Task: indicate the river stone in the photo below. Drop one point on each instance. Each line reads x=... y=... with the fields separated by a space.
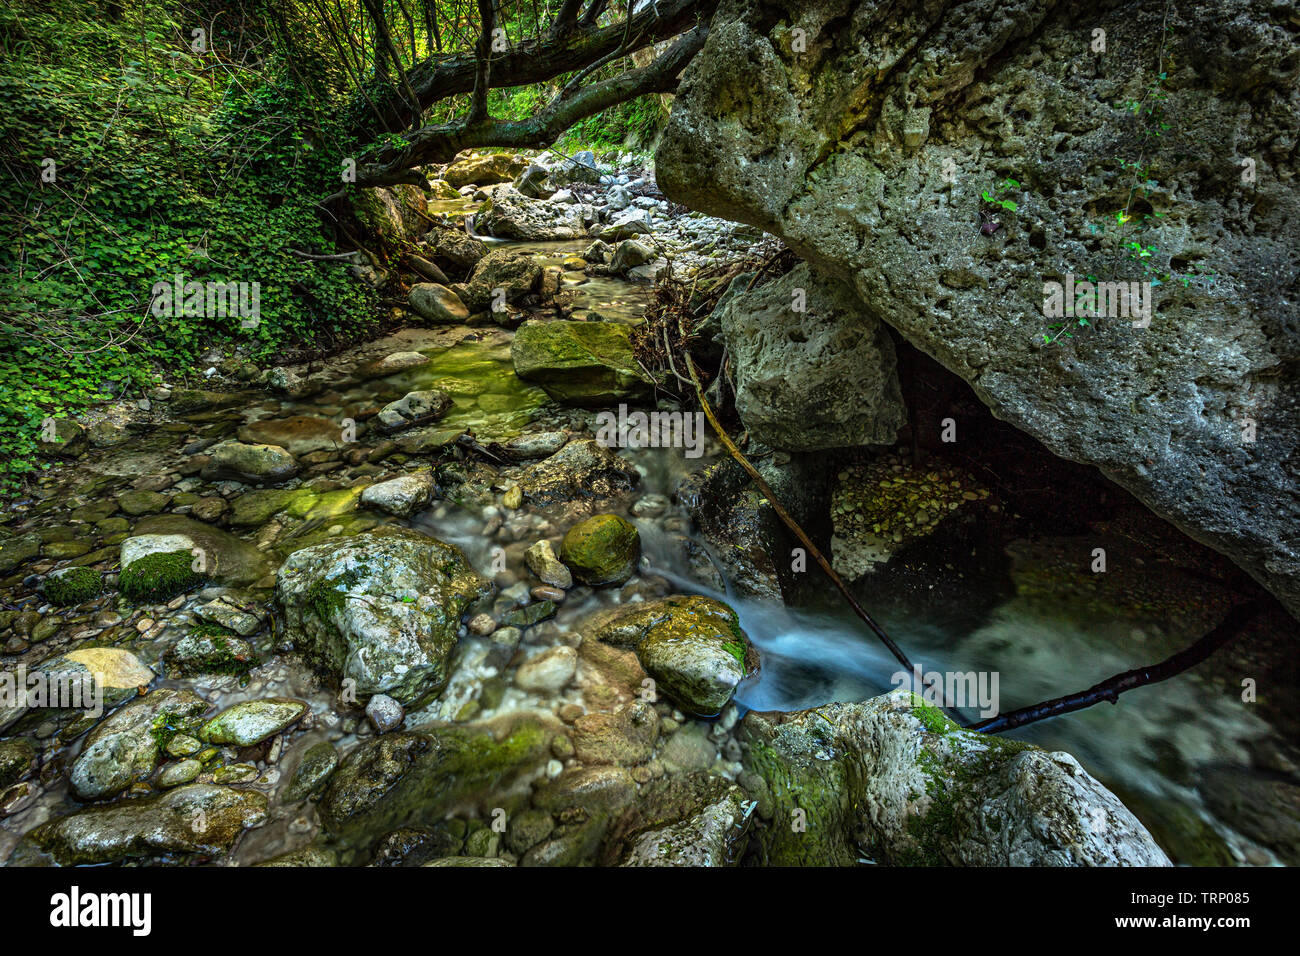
x=199 y=818
x=408 y=779
x=178 y=773
x=501 y=275
x=535 y=445
x=629 y=255
x=548 y=672
x=198 y=653
x=457 y=248
x=253 y=721
x=603 y=549
x=437 y=303
x=626 y=737
x=256 y=464
x=710 y=837
x=226 y=558
x=381 y=608
x=234 y=612
x=18 y=549
x=113 y=668
x=578 y=471
x=17 y=761
x=897 y=778
x=532 y=182
x=632 y=222
x=484 y=170
x=402 y=496
x=385 y=713
x=542 y=561
x=413 y=408
x=692 y=646
x=70 y=440
x=124 y=748
x=1198 y=414
x=141 y=502
x=314 y=768
x=580 y=363
x=392 y=365
x=785 y=363
x=298 y=435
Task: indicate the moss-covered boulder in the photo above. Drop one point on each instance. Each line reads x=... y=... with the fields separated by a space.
x=409 y=779
x=125 y=747
x=894 y=778
x=72 y=586
x=159 y=576
x=603 y=549
x=255 y=464
x=692 y=646
x=580 y=363
x=225 y=558
x=381 y=608
x=197 y=819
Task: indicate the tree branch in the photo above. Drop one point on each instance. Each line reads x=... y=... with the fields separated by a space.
x=532 y=61
x=1233 y=623
x=439 y=144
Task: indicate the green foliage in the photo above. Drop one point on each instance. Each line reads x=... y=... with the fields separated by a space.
x=1007 y=185
x=131 y=158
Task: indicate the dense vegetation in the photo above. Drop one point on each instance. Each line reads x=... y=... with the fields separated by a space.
x=137 y=148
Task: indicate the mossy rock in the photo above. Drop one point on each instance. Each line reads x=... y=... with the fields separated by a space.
x=159 y=577
x=72 y=586
x=604 y=549
x=580 y=363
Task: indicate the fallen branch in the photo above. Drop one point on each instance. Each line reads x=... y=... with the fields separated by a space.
x=795 y=528
x=1233 y=623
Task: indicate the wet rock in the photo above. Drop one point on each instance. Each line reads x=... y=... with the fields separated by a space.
x=535 y=445
x=402 y=496
x=298 y=434
x=689 y=749
x=393 y=213
x=141 y=502
x=310 y=855
x=529 y=614
x=629 y=255
x=602 y=550
x=125 y=747
x=406 y=779
x=222 y=556
x=413 y=408
x=437 y=303
x=179 y=773
x=510 y=215
x=69 y=587
x=542 y=561
x=626 y=737
x=468 y=861
x=385 y=713
x=692 y=646
x=1176 y=433
x=786 y=362
x=17 y=760
x=117 y=673
x=69 y=440
x=712 y=836
x=314 y=768
x=256 y=464
x=899 y=779
x=381 y=608
x=578 y=471
x=393 y=364
x=548 y=672
x=501 y=275
x=484 y=170
x=18 y=550
x=632 y=222
x=199 y=818
x=253 y=721
x=532 y=182
x=233 y=612
x=461 y=251
x=580 y=363
x=187 y=401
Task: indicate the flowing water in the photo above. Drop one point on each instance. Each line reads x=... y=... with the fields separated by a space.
x=1152 y=749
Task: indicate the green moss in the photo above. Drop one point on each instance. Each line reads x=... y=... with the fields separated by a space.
x=327 y=596
x=72 y=587
x=158 y=577
x=931 y=718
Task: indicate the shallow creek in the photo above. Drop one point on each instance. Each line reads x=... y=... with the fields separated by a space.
x=1152 y=749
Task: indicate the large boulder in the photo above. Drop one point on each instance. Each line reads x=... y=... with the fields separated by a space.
x=870 y=150
x=515 y=274
x=511 y=215
x=895 y=778
x=381 y=608
x=799 y=339
x=437 y=303
x=484 y=170
x=580 y=363
x=393 y=213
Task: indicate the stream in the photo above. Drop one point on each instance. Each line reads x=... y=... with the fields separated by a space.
x=1155 y=750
